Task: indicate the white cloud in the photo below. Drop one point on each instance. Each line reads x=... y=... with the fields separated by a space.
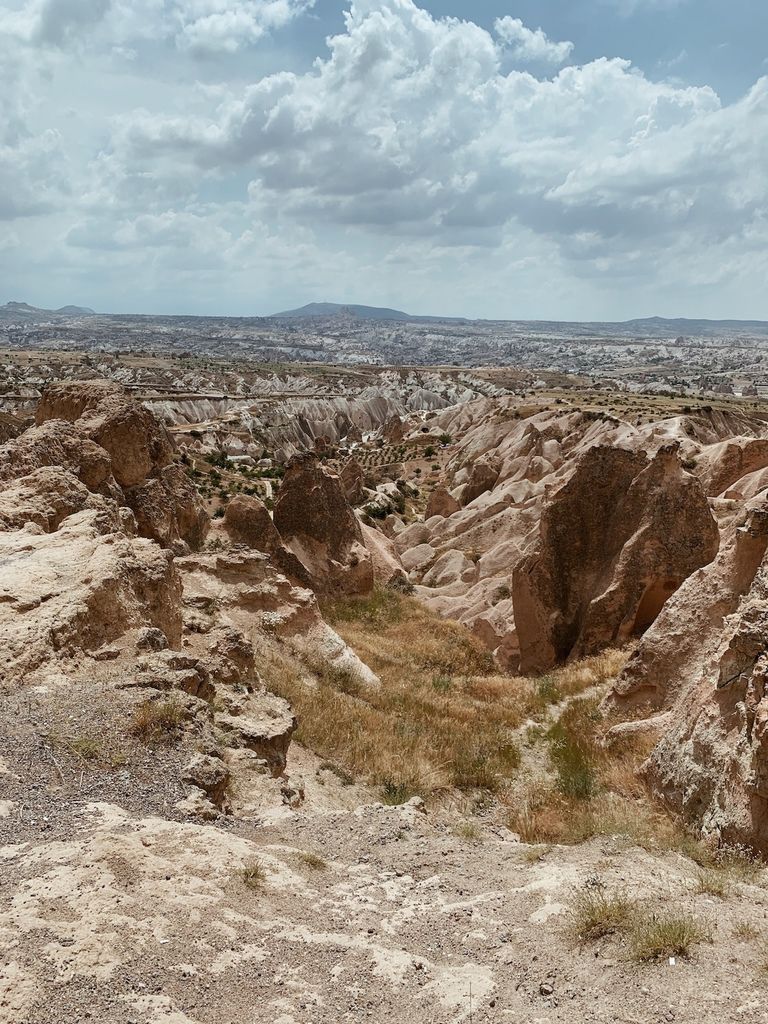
x=531 y=45
x=409 y=153
x=227 y=26
x=33 y=166
x=53 y=22
x=202 y=26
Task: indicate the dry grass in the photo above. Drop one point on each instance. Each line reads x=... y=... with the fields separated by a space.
x=659 y=936
x=157 y=721
x=746 y=932
x=595 y=913
x=312 y=860
x=468 y=831
x=597 y=790
x=711 y=882
x=443 y=719
x=253 y=874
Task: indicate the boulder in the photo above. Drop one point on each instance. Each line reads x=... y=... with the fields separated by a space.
x=441 y=503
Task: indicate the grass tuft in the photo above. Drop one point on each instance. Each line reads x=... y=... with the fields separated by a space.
x=595 y=913
x=254 y=874
x=313 y=860
x=158 y=721
x=711 y=882
x=659 y=936
x=469 y=831
x=395 y=793
x=746 y=932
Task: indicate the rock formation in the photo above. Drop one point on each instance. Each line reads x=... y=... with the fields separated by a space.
x=441 y=503
x=352 y=479
x=317 y=524
x=116 y=448
x=615 y=541
x=551 y=558
x=484 y=474
x=700 y=673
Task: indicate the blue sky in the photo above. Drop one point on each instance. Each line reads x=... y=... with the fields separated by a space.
x=590 y=159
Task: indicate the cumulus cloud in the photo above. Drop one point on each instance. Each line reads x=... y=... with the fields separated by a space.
x=531 y=45
x=227 y=26
x=202 y=26
x=409 y=149
x=33 y=167
x=411 y=127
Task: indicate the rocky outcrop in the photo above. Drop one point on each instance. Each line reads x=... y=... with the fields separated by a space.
x=483 y=476
x=616 y=541
x=116 y=448
x=352 y=478
x=387 y=568
x=701 y=675
x=136 y=443
x=316 y=522
x=441 y=503
x=247 y=521
x=78 y=589
x=394 y=430
x=464 y=565
x=721 y=466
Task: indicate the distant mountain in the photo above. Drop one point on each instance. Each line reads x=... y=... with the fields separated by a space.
x=19 y=312
x=682 y=325
x=317 y=309
x=75 y=311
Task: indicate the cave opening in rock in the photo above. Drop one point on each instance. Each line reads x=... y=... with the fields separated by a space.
x=653 y=600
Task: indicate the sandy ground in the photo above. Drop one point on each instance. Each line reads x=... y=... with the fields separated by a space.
x=129 y=915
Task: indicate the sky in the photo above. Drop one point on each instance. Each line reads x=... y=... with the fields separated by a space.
x=502 y=159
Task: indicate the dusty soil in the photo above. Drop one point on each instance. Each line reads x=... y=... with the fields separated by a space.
x=116 y=909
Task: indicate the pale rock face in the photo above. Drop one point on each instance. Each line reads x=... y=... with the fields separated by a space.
x=720 y=466
x=257 y=599
x=45 y=497
x=387 y=568
x=702 y=674
x=80 y=588
x=418 y=558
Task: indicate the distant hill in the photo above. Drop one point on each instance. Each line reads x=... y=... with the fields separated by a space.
x=317 y=309
x=18 y=312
